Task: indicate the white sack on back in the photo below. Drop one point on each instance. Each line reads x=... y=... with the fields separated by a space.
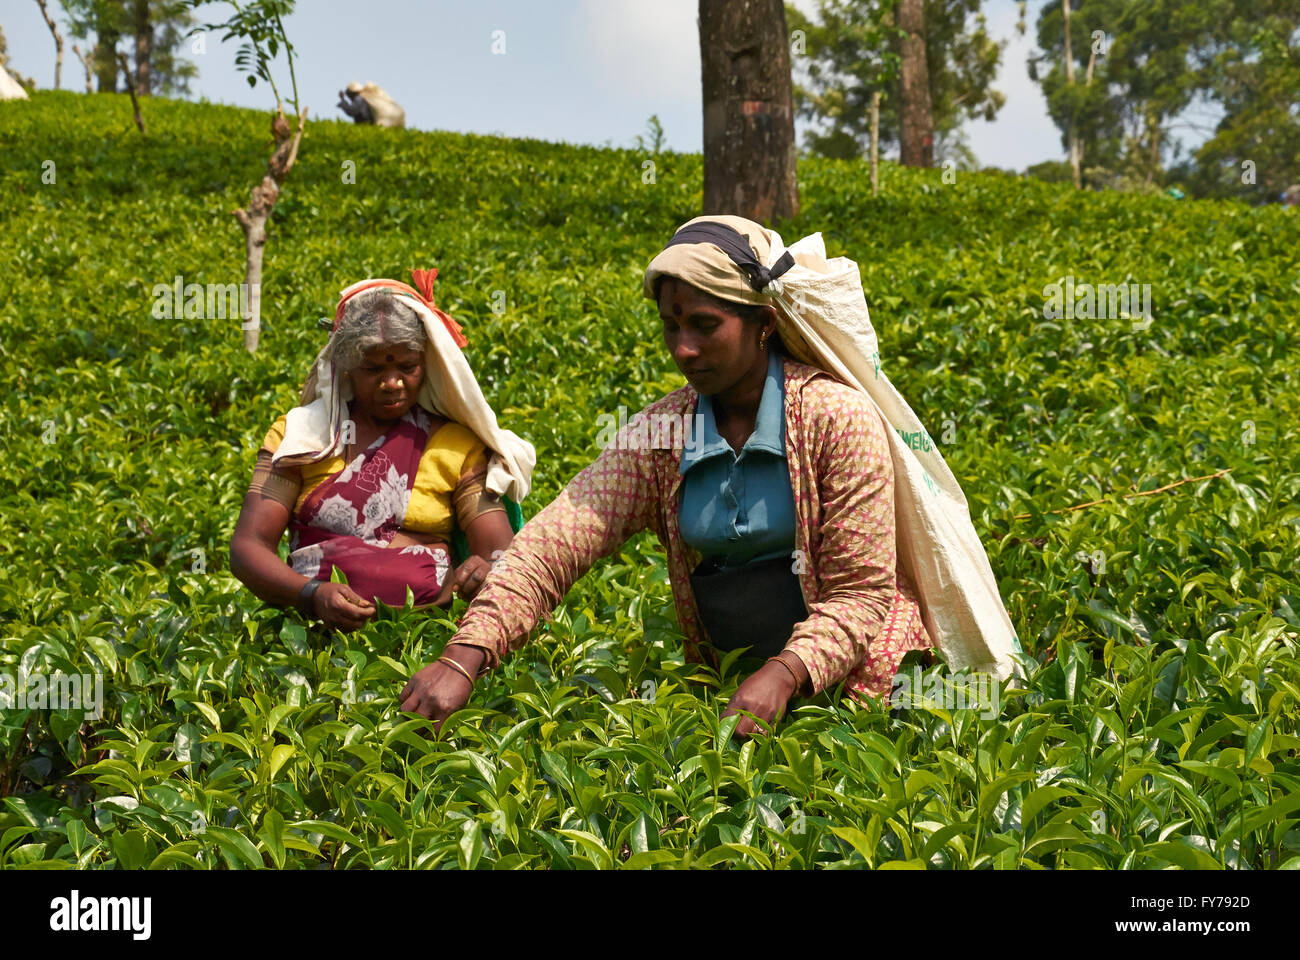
x=825 y=323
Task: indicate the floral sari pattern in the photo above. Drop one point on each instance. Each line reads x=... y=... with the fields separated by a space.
x=350 y=519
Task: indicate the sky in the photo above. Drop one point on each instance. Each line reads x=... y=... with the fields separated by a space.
x=579 y=71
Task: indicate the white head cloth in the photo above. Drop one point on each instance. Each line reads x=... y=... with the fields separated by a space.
x=313 y=431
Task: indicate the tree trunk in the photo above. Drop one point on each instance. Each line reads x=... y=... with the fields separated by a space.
x=749 y=145
x=875 y=143
x=1072 y=133
x=58 y=43
x=1076 y=158
x=253 y=220
x=1153 y=128
x=143 y=46
x=916 y=138
x=106 y=51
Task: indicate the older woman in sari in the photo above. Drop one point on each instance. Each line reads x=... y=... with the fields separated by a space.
x=777 y=517
x=373 y=474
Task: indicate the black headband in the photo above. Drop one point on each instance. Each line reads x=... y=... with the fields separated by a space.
x=730 y=241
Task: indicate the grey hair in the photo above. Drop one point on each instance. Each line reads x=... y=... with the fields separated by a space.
x=375 y=318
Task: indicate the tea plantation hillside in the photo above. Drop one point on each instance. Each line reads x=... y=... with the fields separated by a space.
x=1158 y=726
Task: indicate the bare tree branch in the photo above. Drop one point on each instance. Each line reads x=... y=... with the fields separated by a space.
x=85 y=63
x=130 y=88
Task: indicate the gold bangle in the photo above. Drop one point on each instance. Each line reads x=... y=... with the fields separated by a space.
x=486 y=666
x=797 y=682
x=463 y=672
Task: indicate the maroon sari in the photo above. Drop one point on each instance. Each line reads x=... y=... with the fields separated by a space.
x=349 y=520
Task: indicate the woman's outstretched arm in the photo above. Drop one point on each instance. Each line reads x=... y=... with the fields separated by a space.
x=609 y=501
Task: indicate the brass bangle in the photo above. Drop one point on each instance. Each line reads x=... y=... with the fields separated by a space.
x=456 y=666
x=485 y=667
x=798 y=684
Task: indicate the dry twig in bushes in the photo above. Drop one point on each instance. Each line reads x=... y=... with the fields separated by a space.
x=1139 y=493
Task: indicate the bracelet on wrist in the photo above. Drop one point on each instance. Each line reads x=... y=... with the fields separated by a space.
x=798 y=684
x=305 y=595
x=483 y=664
x=788 y=669
x=458 y=668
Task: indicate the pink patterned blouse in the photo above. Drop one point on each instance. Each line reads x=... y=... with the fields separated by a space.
x=862 y=614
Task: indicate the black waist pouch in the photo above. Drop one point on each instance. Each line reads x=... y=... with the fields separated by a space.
x=756 y=605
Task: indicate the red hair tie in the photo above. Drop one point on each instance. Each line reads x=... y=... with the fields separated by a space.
x=424 y=280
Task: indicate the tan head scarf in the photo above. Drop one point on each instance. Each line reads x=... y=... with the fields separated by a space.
x=706 y=266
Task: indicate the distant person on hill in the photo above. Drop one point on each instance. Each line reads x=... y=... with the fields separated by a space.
x=371 y=104
x=393 y=469
x=770 y=483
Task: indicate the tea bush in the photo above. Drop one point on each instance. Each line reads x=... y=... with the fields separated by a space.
x=1157 y=725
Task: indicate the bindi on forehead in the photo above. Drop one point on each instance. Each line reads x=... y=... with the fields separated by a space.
x=390 y=358
x=677 y=309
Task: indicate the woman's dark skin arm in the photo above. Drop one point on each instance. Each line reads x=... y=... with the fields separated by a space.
x=438 y=690
x=254 y=560
x=765 y=693
x=441 y=687
x=488 y=534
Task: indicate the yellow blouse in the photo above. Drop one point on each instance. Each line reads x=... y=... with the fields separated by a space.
x=453 y=454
